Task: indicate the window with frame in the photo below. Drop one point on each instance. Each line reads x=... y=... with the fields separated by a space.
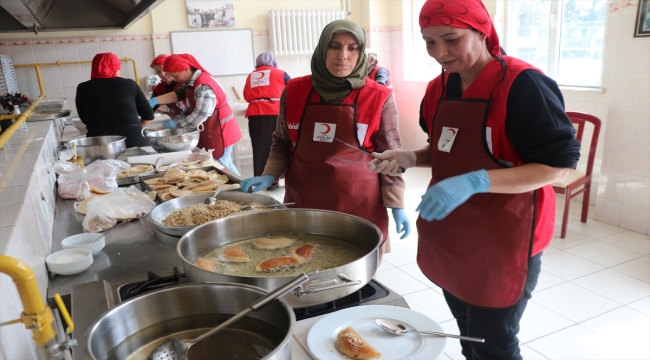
x=563 y=38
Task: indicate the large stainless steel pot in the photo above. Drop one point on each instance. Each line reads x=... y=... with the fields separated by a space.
x=326 y=285
x=171 y=140
x=134 y=328
x=165 y=209
x=99 y=147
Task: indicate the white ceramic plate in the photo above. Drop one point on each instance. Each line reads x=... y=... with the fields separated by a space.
x=322 y=335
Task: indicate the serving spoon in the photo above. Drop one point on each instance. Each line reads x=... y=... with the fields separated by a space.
x=265 y=206
x=213 y=199
x=178 y=348
x=399 y=329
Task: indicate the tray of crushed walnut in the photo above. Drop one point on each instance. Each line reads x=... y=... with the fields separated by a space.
x=175 y=183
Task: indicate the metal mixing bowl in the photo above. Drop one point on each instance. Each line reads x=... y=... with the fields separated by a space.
x=171 y=140
x=99 y=147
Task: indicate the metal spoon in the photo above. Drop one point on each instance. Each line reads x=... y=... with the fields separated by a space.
x=213 y=199
x=109 y=230
x=178 y=349
x=399 y=329
x=265 y=206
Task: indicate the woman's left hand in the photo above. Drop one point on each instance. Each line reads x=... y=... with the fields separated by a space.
x=445 y=196
x=402 y=222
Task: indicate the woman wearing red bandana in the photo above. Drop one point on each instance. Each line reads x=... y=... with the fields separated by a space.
x=110 y=105
x=499 y=136
x=206 y=104
x=166 y=85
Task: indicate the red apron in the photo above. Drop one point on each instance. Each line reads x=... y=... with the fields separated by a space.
x=327 y=175
x=220 y=129
x=480 y=252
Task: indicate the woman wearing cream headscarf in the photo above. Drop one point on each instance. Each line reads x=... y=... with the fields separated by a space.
x=325 y=119
x=110 y=105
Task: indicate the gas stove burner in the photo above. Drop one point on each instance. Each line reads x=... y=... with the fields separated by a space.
x=154 y=282
x=371 y=291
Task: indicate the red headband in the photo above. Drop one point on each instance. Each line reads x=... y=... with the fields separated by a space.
x=462 y=14
x=105 y=65
x=159 y=60
x=181 y=62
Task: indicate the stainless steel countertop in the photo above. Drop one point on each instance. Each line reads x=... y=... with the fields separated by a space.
x=130 y=252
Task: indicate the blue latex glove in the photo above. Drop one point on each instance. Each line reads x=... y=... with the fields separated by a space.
x=445 y=196
x=153 y=102
x=402 y=222
x=170 y=124
x=260 y=183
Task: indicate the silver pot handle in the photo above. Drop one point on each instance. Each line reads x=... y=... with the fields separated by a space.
x=145 y=132
x=319 y=285
x=200 y=127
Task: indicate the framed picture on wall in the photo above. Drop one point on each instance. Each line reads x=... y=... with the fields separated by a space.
x=643 y=19
x=210 y=13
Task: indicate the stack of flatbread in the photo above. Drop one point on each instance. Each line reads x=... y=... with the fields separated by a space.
x=193 y=164
x=135 y=170
x=176 y=183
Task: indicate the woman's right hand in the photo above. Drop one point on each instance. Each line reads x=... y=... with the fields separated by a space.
x=392 y=161
x=260 y=183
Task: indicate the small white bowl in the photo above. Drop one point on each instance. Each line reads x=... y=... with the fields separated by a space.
x=70 y=261
x=83 y=241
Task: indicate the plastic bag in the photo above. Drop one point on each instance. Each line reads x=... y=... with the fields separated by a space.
x=103 y=212
x=72 y=182
x=77 y=183
x=101 y=174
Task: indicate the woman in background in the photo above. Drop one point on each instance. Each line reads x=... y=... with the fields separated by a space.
x=378 y=73
x=110 y=105
x=262 y=91
x=206 y=104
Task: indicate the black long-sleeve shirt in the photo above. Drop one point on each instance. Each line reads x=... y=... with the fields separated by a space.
x=536 y=121
x=103 y=103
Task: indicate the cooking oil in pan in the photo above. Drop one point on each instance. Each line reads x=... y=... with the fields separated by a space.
x=329 y=252
x=248 y=338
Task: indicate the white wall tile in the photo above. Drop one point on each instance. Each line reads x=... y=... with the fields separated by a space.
x=162 y=46
x=44 y=53
x=26 y=79
x=51 y=77
x=633 y=60
x=109 y=44
x=22 y=54
x=87 y=50
x=67 y=52
x=637 y=192
x=71 y=75
x=639 y=163
x=634 y=218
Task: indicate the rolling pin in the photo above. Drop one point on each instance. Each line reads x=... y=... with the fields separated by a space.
x=237 y=93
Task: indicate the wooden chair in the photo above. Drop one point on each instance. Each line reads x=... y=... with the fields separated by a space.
x=579 y=182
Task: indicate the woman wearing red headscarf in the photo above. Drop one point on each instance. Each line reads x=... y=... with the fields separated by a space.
x=110 y=105
x=499 y=136
x=166 y=85
x=206 y=104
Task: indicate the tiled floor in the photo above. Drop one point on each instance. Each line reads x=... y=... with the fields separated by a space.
x=592 y=300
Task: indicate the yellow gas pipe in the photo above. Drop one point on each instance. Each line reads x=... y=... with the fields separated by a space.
x=36 y=315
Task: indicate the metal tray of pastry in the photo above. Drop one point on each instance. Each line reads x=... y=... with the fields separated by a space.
x=130 y=180
x=232 y=178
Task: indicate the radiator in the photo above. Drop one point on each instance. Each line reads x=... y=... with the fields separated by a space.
x=296 y=32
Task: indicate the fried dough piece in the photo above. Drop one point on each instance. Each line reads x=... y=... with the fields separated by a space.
x=166 y=190
x=206 y=185
x=180 y=192
x=155 y=182
x=352 y=345
x=138 y=169
x=174 y=175
x=234 y=254
x=272 y=243
x=205 y=264
x=161 y=187
x=166 y=196
x=98 y=191
x=302 y=252
x=277 y=264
